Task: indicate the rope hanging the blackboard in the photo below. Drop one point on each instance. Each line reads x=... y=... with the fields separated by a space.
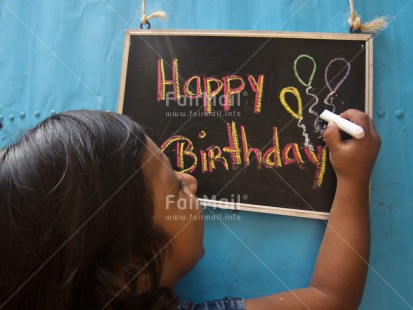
x=145 y=18
x=376 y=25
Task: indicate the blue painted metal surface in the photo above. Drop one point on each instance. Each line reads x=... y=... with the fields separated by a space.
x=63 y=55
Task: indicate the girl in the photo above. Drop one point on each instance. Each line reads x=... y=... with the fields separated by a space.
x=85 y=198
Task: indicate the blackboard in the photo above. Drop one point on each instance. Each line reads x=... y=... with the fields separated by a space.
x=239 y=110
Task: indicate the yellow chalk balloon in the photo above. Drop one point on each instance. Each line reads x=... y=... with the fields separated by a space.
x=296 y=93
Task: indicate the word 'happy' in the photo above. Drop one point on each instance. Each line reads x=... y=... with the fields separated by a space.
x=208 y=87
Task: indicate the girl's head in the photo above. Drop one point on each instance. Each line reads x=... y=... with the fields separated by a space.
x=87 y=219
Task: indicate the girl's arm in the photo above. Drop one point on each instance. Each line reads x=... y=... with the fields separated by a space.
x=341 y=267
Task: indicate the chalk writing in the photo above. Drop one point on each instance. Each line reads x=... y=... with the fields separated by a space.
x=333 y=90
x=257 y=87
x=310 y=80
x=299 y=114
x=186 y=156
x=308 y=90
x=162 y=81
x=238 y=152
x=212 y=87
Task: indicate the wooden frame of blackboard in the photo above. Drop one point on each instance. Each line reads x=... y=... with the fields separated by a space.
x=366 y=38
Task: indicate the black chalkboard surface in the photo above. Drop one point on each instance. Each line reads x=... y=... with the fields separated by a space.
x=240 y=110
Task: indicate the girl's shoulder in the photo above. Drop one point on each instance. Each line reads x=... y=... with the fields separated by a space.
x=226 y=303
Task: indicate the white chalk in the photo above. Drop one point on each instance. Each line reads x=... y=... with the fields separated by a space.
x=345 y=125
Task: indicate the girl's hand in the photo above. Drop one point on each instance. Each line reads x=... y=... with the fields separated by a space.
x=353 y=159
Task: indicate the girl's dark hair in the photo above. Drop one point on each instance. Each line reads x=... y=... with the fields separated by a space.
x=76 y=218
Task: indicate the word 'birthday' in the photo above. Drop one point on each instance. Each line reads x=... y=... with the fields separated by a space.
x=237 y=153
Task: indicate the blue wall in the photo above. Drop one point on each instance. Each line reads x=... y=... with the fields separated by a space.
x=58 y=55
